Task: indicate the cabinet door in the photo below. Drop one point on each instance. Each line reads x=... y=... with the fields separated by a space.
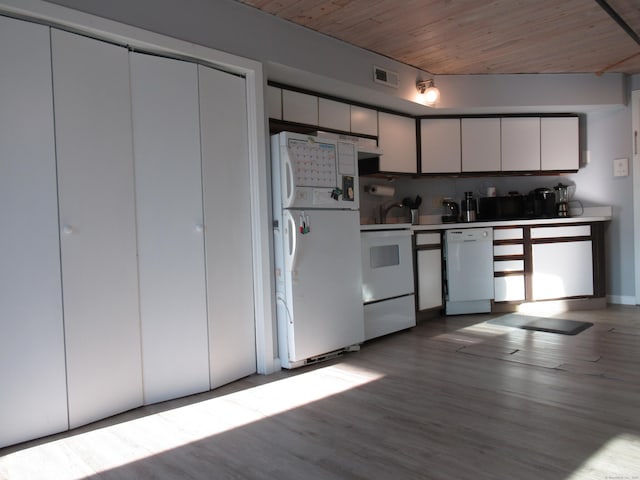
x=364 y=121
x=168 y=180
x=440 y=145
x=332 y=114
x=98 y=242
x=274 y=102
x=429 y=279
x=227 y=210
x=33 y=401
x=563 y=269
x=560 y=143
x=520 y=141
x=299 y=107
x=480 y=144
x=397 y=139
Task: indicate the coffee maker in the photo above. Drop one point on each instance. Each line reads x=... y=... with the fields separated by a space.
x=450 y=210
x=562 y=200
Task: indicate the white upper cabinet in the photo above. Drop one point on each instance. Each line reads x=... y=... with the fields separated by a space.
x=33 y=398
x=335 y=115
x=520 y=141
x=299 y=107
x=173 y=309
x=94 y=146
x=274 y=102
x=480 y=144
x=364 y=121
x=440 y=145
x=560 y=144
x=397 y=140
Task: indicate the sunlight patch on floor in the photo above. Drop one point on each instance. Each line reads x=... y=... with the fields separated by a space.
x=543 y=309
x=78 y=456
x=618 y=459
x=472 y=334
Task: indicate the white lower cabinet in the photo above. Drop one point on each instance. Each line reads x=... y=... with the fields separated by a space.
x=97 y=213
x=173 y=309
x=33 y=394
x=509 y=288
x=429 y=270
x=563 y=269
x=429 y=279
x=227 y=213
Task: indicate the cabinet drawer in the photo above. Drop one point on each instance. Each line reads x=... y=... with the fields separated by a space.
x=508 y=266
x=509 y=289
x=505 y=250
x=428 y=239
x=559 y=232
x=507 y=234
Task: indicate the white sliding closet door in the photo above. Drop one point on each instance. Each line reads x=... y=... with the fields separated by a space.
x=227 y=212
x=173 y=307
x=33 y=394
x=97 y=214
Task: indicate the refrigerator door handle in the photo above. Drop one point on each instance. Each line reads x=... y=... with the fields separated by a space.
x=287 y=181
x=292 y=242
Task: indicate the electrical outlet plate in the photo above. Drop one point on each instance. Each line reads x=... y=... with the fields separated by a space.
x=621 y=167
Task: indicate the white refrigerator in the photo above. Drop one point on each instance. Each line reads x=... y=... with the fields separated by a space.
x=317 y=247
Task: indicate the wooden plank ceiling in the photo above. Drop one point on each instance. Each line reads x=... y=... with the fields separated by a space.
x=479 y=36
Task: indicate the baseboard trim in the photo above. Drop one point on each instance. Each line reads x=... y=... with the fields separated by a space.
x=621 y=299
x=552 y=305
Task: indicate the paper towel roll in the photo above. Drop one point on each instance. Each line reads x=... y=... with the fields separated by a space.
x=381 y=190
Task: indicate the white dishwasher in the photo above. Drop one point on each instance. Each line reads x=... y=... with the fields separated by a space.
x=469 y=270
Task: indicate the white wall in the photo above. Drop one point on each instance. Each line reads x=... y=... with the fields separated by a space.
x=300 y=57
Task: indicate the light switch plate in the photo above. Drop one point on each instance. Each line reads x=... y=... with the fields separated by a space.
x=621 y=167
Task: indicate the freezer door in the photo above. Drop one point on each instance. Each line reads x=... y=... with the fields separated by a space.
x=323 y=284
x=310 y=172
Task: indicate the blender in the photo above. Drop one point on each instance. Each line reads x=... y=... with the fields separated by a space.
x=562 y=200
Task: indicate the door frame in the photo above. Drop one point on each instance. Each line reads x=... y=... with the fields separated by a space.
x=267 y=360
x=635 y=152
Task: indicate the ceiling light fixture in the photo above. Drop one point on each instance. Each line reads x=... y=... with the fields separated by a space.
x=429 y=93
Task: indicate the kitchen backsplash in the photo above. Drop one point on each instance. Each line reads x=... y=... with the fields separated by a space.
x=433 y=190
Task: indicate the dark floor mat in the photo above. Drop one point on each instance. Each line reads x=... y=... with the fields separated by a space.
x=542 y=324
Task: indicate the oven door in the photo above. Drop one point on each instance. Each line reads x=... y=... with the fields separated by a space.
x=387 y=264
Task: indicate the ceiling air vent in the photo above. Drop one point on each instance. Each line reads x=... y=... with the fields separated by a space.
x=385 y=77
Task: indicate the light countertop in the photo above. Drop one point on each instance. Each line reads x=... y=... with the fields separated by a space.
x=590 y=214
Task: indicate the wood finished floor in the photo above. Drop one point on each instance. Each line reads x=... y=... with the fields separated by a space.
x=453 y=398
